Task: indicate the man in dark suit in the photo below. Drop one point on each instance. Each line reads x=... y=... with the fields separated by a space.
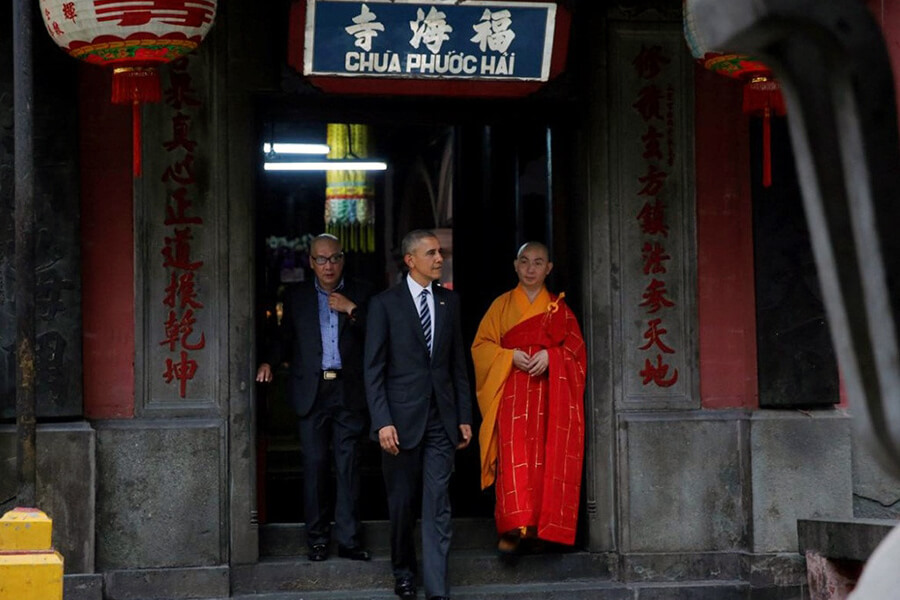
x=321 y=336
x=418 y=392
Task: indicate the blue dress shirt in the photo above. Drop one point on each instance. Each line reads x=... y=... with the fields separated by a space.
x=328 y=327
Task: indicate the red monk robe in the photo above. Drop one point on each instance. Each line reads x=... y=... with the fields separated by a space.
x=532 y=433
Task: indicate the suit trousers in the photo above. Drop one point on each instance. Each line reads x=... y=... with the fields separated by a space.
x=431 y=464
x=330 y=428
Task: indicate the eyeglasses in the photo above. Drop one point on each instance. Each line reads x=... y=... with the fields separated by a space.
x=333 y=259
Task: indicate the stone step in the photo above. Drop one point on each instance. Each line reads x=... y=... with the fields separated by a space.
x=575 y=589
x=467 y=568
x=289 y=539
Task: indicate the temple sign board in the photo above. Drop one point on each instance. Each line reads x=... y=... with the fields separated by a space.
x=475 y=40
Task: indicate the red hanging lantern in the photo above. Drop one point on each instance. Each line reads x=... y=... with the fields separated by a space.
x=762 y=93
x=134 y=37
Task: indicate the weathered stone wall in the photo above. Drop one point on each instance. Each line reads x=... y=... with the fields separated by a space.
x=57 y=267
x=801 y=469
x=66 y=486
x=876 y=491
x=158 y=498
x=717 y=494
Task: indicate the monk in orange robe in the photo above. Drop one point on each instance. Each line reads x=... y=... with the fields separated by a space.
x=530 y=364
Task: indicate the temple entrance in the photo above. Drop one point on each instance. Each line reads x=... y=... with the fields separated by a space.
x=479 y=173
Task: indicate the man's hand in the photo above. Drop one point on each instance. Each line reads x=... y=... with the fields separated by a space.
x=539 y=362
x=465 y=434
x=264 y=373
x=387 y=437
x=521 y=360
x=340 y=303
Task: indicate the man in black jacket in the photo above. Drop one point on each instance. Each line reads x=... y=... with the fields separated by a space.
x=418 y=393
x=321 y=336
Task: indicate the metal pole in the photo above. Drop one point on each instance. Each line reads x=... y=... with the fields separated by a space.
x=23 y=97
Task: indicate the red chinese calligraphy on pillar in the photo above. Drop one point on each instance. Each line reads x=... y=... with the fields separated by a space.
x=181 y=335
x=654 y=106
x=178 y=205
x=654 y=256
x=650 y=62
x=657 y=373
x=652 y=145
x=654 y=334
x=655 y=297
x=180 y=94
x=648 y=103
x=652 y=219
x=177 y=251
x=180 y=172
x=179 y=328
x=183 y=370
x=181 y=130
x=652 y=181
x=180 y=291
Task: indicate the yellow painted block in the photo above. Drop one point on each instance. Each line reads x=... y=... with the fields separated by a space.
x=25 y=529
x=31 y=576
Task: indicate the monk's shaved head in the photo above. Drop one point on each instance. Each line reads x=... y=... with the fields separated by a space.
x=533 y=246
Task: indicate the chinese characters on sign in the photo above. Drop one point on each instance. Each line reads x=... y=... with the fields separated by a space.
x=655 y=106
x=475 y=40
x=180 y=336
x=364 y=29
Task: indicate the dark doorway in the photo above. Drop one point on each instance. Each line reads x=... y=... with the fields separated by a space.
x=480 y=173
x=797 y=363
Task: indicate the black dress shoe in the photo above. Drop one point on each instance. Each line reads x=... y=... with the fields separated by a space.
x=355 y=553
x=318 y=552
x=405 y=588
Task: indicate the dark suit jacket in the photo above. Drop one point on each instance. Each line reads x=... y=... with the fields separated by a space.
x=400 y=376
x=300 y=343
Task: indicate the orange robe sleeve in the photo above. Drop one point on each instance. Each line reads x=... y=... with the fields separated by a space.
x=492 y=366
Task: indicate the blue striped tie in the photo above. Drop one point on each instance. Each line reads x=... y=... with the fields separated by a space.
x=425 y=318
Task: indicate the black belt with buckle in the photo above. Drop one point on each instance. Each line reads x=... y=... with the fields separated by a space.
x=331 y=374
